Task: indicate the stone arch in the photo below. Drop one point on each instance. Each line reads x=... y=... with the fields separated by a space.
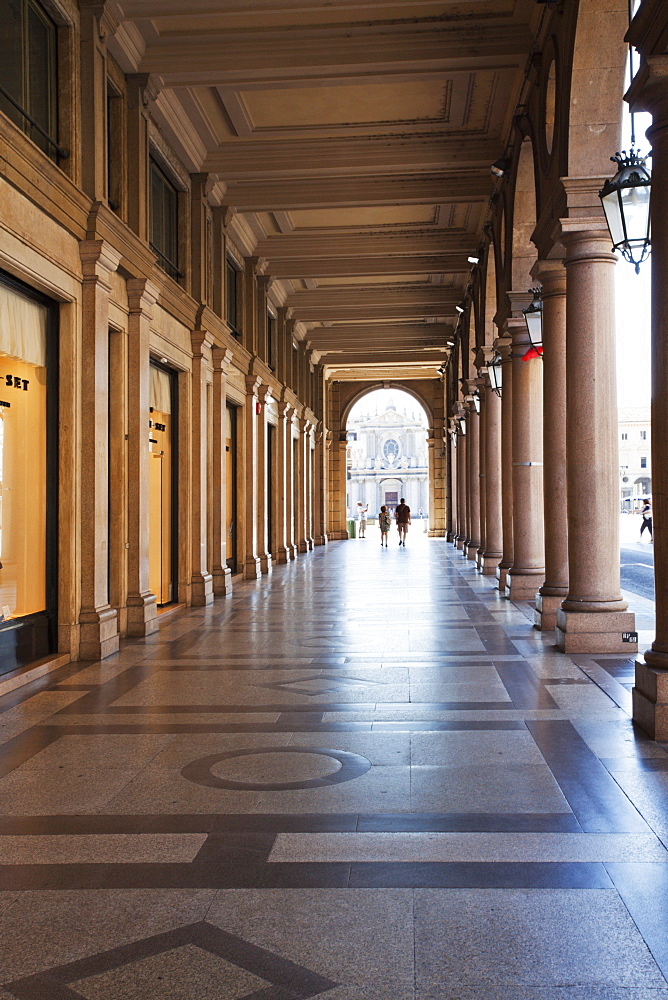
x=402 y=386
x=597 y=84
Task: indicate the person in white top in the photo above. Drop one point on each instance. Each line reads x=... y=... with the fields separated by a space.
x=362 y=510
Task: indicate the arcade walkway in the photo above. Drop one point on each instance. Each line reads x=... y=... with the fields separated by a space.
x=364 y=778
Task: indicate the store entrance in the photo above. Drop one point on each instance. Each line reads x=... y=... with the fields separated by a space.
x=231 y=487
x=162 y=536
x=28 y=474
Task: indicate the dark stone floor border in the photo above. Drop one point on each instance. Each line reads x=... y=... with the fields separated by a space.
x=242 y=871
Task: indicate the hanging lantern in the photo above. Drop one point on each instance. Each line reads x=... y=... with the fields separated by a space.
x=625 y=201
x=494 y=370
x=533 y=316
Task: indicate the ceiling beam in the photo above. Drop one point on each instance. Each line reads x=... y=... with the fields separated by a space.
x=328 y=244
x=353 y=192
x=373 y=295
x=254 y=158
x=236 y=57
x=360 y=267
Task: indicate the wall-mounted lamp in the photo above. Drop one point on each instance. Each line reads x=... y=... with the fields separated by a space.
x=533 y=316
x=460 y=308
x=625 y=199
x=495 y=372
x=500 y=167
x=473 y=260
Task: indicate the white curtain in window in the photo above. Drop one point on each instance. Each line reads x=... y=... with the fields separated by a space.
x=160 y=395
x=22 y=328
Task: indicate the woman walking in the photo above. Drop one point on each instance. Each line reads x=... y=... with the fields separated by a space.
x=384 y=522
x=646 y=520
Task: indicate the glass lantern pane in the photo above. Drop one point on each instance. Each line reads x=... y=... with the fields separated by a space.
x=635 y=203
x=613 y=216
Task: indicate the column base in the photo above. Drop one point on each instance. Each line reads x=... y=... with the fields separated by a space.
x=283 y=554
x=222 y=581
x=201 y=590
x=142 y=614
x=449 y=536
x=595 y=631
x=471 y=550
x=460 y=543
x=489 y=563
x=293 y=551
x=252 y=568
x=436 y=533
x=321 y=539
x=650 y=700
x=545 y=613
x=502 y=576
x=265 y=562
x=302 y=545
x=521 y=586
x=338 y=536
x=98 y=635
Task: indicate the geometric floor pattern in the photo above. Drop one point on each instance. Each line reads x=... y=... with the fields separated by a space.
x=364 y=777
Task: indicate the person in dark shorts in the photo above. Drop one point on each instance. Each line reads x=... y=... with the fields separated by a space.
x=403 y=518
x=646 y=520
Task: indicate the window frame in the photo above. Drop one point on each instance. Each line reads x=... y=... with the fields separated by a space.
x=233 y=320
x=168 y=265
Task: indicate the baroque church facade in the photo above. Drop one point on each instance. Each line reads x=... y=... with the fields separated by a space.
x=387 y=459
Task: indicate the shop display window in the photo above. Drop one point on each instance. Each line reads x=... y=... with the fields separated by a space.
x=162 y=520
x=23 y=455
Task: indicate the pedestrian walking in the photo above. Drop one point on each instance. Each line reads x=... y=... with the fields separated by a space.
x=384 y=523
x=647 y=520
x=403 y=518
x=363 y=511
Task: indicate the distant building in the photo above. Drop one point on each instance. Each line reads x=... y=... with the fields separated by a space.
x=387 y=459
x=635 y=458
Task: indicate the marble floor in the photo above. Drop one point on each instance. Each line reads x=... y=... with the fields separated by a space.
x=365 y=777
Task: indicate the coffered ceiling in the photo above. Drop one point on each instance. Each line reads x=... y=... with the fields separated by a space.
x=353 y=141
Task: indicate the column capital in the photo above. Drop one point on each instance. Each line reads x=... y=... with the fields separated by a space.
x=142 y=295
x=106 y=13
x=257 y=265
x=648 y=91
x=264 y=392
x=222 y=358
x=552 y=276
x=201 y=342
x=98 y=259
x=146 y=86
x=253 y=383
x=588 y=244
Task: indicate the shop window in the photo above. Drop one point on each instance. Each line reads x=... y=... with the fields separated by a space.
x=28 y=81
x=164 y=221
x=28 y=471
x=233 y=297
x=162 y=485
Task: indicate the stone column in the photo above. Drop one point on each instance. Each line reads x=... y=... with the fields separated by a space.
x=320 y=487
x=282 y=485
x=503 y=346
x=301 y=473
x=98 y=621
x=220 y=571
x=452 y=453
x=650 y=694
x=252 y=566
x=482 y=475
x=473 y=474
x=201 y=581
x=593 y=617
x=461 y=490
x=528 y=568
x=548 y=599
x=337 y=468
x=263 y=498
x=490 y=556
x=142 y=608
x=309 y=488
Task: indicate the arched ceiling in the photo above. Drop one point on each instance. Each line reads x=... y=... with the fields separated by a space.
x=353 y=142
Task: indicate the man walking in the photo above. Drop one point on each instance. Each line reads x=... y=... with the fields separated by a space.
x=403 y=518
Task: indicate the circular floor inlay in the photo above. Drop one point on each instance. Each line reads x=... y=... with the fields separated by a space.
x=307 y=773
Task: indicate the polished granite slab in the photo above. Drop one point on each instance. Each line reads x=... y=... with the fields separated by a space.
x=364 y=777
